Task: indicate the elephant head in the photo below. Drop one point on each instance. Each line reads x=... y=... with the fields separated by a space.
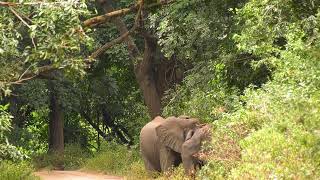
x=171 y=135
x=192 y=146
x=173 y=131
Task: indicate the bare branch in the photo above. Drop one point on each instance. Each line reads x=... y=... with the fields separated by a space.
x=28 y=75
x=110 y=44
x=19 y=17
x=25 y=72
x=119 y=39
x=8 y=4
x=106 y=17
x=20 y=81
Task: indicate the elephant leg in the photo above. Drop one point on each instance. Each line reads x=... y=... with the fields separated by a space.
x=150 y=166
x=168 y=158
x=188 y=164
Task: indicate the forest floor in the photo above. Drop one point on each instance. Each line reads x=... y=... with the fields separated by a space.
x=73 y=175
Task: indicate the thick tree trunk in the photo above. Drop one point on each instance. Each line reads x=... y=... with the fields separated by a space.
x=145 y=76
x=56 y=125
x=143 y=69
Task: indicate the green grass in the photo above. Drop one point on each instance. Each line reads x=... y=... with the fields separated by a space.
x=16 y=171
x=113 y=159
x=74 y=157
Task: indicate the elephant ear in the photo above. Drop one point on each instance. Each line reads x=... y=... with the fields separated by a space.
x=189 y=134
x=172 y=131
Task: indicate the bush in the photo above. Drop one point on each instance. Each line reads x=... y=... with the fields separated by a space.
x=73 y=157
x=16 y=171
x=7 y=151
x=113 y=159
x=137 y=170
x=274 y=134
x=269 y=153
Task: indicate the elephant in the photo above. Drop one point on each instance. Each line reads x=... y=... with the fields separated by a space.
x=191 y=148
x=166 y=143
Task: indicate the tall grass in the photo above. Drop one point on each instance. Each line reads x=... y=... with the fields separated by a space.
x=16 y=171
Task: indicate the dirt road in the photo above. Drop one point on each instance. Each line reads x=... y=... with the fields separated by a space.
x=73 y=175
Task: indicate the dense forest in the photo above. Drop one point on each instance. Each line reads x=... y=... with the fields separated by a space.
x=80 y=78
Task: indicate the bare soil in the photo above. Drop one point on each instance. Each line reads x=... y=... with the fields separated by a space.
x=73 y=175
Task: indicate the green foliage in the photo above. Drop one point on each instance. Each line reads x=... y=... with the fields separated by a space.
x=271 y=132
x=52 y=35
x=114 y=159
x=137 y=171
x=277 y=129
x=195 y=30
x=5 y=122
x=16 y=171
x=254 y=77
x=74 y=157
x=7 y=151
x=203 y=94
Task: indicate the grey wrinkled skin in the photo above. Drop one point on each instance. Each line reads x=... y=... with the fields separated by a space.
x=161 y=142
x=192 y=146
x=165 y=143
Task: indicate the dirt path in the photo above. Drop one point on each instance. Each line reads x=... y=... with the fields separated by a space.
x=73 y=175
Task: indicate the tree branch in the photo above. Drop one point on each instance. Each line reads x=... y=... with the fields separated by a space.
x=117 y=40
x=106 y=17
x=110 y=44
x=96 y=127
x=8 y=4
x=28 y=75
x=19 y=17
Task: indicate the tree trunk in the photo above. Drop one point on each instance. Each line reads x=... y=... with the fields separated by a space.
x=56 y=124
x=143 y=69
x=145 y=76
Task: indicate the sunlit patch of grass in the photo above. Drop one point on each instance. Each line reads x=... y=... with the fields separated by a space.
x=16 y=171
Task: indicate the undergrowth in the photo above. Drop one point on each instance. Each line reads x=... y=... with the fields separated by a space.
x=115 y=159
x=74 y=157
x=274 y=132
x=16 y=171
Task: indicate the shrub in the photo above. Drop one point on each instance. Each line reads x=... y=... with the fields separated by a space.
x=112 y=159
x=7 y=151
x=16 y=171
x=137 y=170
x=275 y=133
x=73 y=157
